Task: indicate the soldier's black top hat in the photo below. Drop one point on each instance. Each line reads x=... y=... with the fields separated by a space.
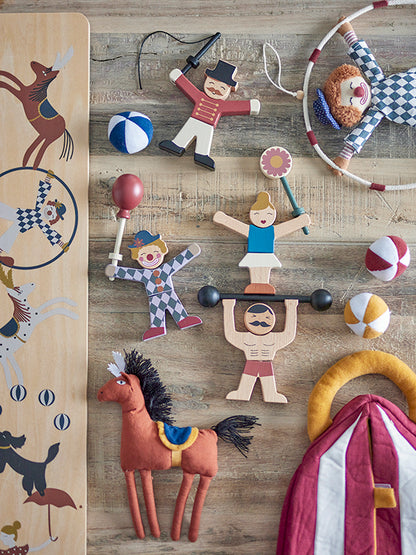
x=223 y=72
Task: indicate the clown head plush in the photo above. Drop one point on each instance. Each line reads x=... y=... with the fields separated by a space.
x=344 y=98
x=350 y=100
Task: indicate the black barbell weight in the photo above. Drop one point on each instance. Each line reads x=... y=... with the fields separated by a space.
x=209 y=296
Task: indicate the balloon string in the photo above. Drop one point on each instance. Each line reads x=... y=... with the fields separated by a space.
x=169 y=35
x=278 y=85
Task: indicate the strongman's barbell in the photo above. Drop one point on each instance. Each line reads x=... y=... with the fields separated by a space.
x=320 y=300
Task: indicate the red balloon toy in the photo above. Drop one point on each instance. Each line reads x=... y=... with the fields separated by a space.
x=127 y=194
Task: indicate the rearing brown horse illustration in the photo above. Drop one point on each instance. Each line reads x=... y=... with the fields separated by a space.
x=39 y=112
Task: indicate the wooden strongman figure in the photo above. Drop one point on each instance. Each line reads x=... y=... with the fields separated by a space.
x=209 y=105
x=260 y=345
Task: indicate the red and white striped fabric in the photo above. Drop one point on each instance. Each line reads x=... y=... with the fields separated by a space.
x=387 y=258
x=330 y=507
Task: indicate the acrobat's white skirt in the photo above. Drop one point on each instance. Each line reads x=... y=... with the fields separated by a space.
x=260 y=260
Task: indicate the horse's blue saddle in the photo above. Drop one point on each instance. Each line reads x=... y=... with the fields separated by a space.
x=46 y=110
x=176 y=438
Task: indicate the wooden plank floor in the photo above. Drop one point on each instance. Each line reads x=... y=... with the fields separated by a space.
x=243 y=506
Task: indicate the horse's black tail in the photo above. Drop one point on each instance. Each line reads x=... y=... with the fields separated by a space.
x=52 y=452
x=68 y=147
x=232 y=428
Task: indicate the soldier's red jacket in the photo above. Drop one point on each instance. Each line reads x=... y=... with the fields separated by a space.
x=207 y=109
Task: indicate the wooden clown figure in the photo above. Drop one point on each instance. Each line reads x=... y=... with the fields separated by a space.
x=209 y=105
x=261 y=235
x=149 y=251
x=348 y=100
x=259 y=345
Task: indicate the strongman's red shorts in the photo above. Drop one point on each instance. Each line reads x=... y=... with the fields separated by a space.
x=258 y=368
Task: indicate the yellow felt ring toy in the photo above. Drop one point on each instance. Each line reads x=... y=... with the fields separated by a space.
x=352 y=366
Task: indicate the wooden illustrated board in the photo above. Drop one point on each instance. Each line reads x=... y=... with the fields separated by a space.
x=44 y=103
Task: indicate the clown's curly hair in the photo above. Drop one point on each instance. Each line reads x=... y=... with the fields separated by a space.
x=346 y=116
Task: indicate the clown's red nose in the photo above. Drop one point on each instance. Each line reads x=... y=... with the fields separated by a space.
x=359 y=92
x=149 y=257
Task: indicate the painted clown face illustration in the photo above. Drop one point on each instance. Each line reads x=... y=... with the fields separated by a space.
x=150 y=256
x=216 y=89
x=49 y=212
x=263 y=218
x=355 y=92
x=259 y=319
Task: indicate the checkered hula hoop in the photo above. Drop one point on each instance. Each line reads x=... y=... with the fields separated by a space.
x=312 y=61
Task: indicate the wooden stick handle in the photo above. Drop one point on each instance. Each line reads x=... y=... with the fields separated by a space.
x=193 y=61
x=297 y=210
x=116 y=256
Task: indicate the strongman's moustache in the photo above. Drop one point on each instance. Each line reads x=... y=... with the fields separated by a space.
x=262 y=324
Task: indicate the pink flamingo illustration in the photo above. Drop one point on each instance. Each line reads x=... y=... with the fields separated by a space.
x=39 y=112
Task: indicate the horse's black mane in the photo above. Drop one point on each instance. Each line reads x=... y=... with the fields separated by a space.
x=158 y=401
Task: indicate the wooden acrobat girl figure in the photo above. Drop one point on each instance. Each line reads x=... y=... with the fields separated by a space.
x=346 y=96
x=261 y=235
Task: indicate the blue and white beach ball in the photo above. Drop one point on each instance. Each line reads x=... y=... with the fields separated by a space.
x=130 y=132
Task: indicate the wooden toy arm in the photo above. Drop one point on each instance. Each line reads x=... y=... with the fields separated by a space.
x=289 y=333
x=254 y=107
x=231 y=335
x=231 y=223
x=285 y=228
x=174 y=74
x=182 y=259
x=352 y=366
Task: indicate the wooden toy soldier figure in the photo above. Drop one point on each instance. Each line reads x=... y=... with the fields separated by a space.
x=260 y=345
x=209 y=106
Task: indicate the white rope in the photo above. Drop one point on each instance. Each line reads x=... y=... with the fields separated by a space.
x=306 y=118
x=278 y=85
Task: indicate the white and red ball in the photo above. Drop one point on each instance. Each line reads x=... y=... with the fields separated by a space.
x=387 y=258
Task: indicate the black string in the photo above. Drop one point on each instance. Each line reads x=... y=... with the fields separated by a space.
x=169 y=35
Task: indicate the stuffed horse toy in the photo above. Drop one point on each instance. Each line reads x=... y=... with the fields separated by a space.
x=149 y=441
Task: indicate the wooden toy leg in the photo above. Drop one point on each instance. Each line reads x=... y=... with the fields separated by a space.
x=268 y=387
x=134 y=503
x=180 y=505
x=149 y=499
x=245 y=388
x=259 y=282
x=201 y=493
